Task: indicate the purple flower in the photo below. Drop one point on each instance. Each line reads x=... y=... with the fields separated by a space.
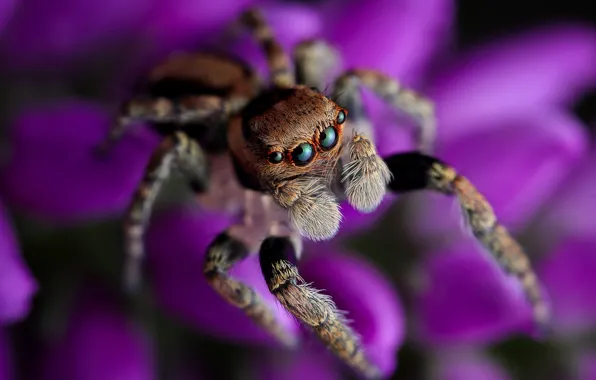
x=587 y=366
x=6 y=368
x=177 y=244
x=17 y=285
x=504 y=125
x=313 y=364
x=457 y=365
x=99 y=343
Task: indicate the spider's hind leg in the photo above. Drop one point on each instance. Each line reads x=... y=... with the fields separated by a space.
x=191 y=160
x=199 y=109
x=278 y=257
x=415 y=171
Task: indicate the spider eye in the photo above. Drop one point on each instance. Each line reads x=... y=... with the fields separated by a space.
x=275 y=157
x=303 y=153
x=341 y=117
x=328 y=138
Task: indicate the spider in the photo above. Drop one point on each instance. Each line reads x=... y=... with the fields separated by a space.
x=288 y=154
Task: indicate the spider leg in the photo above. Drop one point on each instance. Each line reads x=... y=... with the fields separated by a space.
x=401 y=98
x=174 y=149
x=226 y=250
x=279 y=63
x=314 y=60
x=278 y=258
x=200 y=109
x=416 y=171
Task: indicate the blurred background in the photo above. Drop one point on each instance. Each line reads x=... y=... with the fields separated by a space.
x=514 y=84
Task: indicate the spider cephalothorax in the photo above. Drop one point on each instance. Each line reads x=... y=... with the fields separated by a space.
x=288 y=154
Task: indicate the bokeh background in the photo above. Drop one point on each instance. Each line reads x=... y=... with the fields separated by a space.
x=514 y=85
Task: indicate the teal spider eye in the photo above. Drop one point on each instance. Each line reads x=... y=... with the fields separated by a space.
x=275 y=157
x=303 y=153
x=341 y=117
x=328 y=138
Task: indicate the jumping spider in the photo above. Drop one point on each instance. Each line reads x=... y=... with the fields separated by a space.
x=295 y=154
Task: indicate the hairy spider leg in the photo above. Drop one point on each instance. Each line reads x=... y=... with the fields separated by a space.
x=190 y=159
x=316 y=310
x=314 y=61
x=416 y=171
x=279 y=63
x=231 y=247
x=346 y=93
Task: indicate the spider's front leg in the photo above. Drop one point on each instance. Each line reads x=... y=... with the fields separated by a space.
x=231 y=247
x=278 y=257
x=346 y=93
x=190 y=158
x=415 y=171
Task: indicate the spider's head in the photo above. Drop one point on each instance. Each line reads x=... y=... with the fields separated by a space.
x=295 y=138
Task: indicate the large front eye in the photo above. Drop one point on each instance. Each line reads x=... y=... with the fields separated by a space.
x=328 y=138
x=303 y=153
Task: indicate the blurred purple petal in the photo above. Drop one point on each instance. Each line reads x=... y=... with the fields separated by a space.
x=53 y=172
x=7 y=8
x=547 y=65
x=314 y=363
x=355 y=221
x=516 y=164
x=456 y=365
x=17 y=285
x=43 y=32
x=368 y=297
x=177 y=243
x=568 y=274
x=572 y=209
x=397 y=37
x=6 y=371
x=467 y=298
x=99 y=343
x=182 y=23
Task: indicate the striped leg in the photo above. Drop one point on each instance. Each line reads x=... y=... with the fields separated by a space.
x=177 y=148
x=279 y=63
x=346 y=92
x=310 y=306
x=415 y=171
x=207 y=109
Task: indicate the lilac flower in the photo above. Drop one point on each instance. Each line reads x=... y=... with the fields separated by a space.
x=177 y=244
x=587 y=367
x=17 y=285
x=99 y=343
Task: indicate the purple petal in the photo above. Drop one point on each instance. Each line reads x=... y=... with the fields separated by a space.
x=177 y=243
x=53 y=147
x=455 y=365
x=312 y=363
x=99 y=343
x=572 y=209
x=43 y=32
x=6 y=368
x=180 y=23
x=547 y=65
x=7 y=8
x=355 y=221
x=516 y=163
x=367 y=295
x=568 y=274
x=17 y=285
x=467 y=298
x=397 y=37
